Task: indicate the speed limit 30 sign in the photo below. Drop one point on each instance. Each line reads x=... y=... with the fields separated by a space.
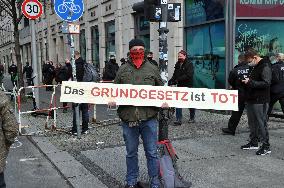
x=32 y=9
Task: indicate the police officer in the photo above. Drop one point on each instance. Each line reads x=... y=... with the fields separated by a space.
x=239 y=73
x=277 y=82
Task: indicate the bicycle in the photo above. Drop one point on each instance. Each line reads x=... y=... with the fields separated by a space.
x=69 y=4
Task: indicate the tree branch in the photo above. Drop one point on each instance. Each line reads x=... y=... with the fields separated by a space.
x=6 y=5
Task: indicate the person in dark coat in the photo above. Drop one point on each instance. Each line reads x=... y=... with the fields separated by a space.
x=277 y=83
x=57 y=69
x=49 y=74
x=13 y=71
x=28 y=70
x=111 y=69
x=258 y=97
x=239 y=73
x=66 y=70
x=84 y=107
x=183 y=77
x=151 y=60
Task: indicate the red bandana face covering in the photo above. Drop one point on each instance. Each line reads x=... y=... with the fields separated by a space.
x=137 y=57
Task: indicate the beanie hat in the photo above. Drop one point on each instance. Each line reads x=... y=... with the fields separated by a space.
x=136 y=42
x=183 y=52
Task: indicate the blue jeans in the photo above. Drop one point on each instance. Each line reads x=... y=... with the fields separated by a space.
x=85 y=117
x=148 y=131
x=179 y=113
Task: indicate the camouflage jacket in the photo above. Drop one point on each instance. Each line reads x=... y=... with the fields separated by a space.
x=9 y=129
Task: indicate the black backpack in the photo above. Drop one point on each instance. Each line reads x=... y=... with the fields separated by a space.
x=90 y=73
x=62 y=74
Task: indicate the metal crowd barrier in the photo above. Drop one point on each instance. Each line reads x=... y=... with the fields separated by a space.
x=51 y=109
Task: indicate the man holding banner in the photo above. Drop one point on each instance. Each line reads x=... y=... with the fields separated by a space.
x=140 y=120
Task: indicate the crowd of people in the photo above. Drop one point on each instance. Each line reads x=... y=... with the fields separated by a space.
x=259 y=81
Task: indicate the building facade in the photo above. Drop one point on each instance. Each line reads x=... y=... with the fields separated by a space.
x=6 y=40
x=217 y=31
x=212 y=32
x=106 y=28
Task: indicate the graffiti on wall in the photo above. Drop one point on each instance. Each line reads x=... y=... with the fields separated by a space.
x=266 y=40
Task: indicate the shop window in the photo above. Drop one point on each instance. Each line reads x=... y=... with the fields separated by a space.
x=110 y=38
x=200 y=11
x=206 y=46
x=266 y=40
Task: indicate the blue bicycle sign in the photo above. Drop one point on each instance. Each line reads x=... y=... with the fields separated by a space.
x=69 y=10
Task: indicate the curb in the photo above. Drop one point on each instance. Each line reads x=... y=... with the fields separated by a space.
x=74 y=172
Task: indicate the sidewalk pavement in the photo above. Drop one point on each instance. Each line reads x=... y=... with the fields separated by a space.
x=27 y=167
x=207 y=158
x=209 y=162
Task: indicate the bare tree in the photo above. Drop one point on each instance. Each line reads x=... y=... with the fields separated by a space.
x=13 y=10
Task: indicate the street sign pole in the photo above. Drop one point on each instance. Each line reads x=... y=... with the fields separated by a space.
x=70 y=12
x=77 y=112
x=164 y=114
x=32 y=9
x=34 y=63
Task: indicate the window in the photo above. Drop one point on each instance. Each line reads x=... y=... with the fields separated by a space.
x=205 y=41
x=266 y=40
x=206 y=46
x=110 y=38
x=95 y=46
x=142 y=29
x=83 y=44
x=200 y=11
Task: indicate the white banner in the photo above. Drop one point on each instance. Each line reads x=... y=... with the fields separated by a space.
x=145 y=95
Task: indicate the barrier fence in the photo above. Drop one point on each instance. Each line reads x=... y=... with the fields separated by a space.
x=50 y=111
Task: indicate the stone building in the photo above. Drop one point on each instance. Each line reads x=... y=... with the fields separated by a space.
x=6 y=40
x=106 y=27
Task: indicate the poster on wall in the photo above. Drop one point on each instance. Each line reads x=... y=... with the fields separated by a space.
x=200 y=11
x=206 y=46
x=266 y=40
x=260 y=8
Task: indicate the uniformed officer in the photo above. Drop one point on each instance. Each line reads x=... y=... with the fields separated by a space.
x=239 y=73
x=277 y=82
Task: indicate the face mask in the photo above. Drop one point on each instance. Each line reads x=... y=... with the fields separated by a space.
x=252 y=63
x=137 y=57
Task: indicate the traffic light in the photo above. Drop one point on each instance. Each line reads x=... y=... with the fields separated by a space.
x=150 y=9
